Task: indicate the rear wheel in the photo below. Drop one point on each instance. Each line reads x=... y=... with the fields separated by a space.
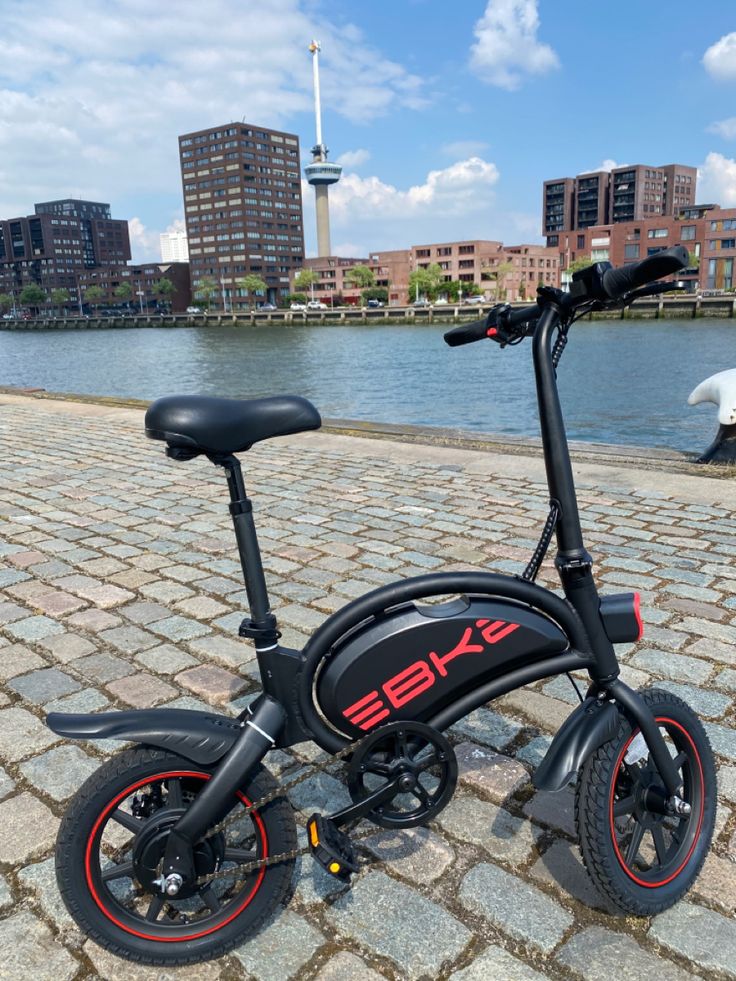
x=641 y=857
x=112 y=840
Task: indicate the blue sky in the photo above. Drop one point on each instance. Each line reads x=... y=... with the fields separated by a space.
x=447 y=117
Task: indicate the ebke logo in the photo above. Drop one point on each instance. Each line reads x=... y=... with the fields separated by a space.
x=409 y=683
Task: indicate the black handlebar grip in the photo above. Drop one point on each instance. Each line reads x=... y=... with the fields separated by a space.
x=618 y=282
x=524 y=316
x=467 y=333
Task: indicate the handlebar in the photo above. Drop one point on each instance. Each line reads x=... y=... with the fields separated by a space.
x=499 y=318
x=618 y=282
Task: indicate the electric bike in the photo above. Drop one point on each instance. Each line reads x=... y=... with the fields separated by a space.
x=180 y=848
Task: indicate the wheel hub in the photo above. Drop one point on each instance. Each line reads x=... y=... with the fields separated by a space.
x=150 y=847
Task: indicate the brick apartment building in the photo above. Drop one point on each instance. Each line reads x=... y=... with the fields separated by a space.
x=143 y=279
x=243 y=208
x=630 y=193
x=475 y=263
x=707 y=231
x=58 y=242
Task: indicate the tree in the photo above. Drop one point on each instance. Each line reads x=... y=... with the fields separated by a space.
x=693 y=260
x=6 y=301
x=522 y=290
x=580 y=263
x=164 y=289
x=499 y=275
x=32 y=296
x=59 y=297
x=94 y=295
x=426 y=281
x=294 y=298
x=376 y=293
x=124 y=292
x=305 y=279
x=251 y=284
x=205 y=290
x=360 y=277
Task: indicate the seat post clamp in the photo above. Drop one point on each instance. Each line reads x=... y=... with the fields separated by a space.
x=240 y=507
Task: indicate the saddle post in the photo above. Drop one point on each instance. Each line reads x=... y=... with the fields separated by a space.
x=262 y=625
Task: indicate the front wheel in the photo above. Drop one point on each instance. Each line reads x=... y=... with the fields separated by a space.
x=110 y=849
x=640 y=857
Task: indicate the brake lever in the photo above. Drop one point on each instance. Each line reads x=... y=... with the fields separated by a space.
x=652 y=289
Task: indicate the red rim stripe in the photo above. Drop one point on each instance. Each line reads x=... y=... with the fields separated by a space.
x=624 y=866
x=113 y=804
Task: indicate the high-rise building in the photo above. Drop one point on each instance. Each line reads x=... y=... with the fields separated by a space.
x=174 y=247
x=243 y=209
x=629 y=193
x=62 y=239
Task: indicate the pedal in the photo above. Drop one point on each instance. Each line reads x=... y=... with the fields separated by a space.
x=331 y=848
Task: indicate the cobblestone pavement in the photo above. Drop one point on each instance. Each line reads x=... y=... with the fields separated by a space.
x=120 y=587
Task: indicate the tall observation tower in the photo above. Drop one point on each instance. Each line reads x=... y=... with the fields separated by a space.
x=320 y=174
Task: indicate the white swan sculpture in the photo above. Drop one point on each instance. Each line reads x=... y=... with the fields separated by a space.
x=721 y=390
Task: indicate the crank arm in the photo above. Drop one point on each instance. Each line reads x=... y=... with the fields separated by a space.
x=374 y=800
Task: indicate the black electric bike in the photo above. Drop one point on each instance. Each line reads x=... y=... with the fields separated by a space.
x=179 y=849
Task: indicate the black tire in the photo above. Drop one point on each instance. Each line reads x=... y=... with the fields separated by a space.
x=643 y=862
x=139 y=792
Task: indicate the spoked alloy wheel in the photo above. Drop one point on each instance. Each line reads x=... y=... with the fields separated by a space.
x=642 y=856
x=110 y=849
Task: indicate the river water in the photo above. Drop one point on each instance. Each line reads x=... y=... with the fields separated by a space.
x=620 y=381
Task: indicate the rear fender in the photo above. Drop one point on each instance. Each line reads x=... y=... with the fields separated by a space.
x=201 y=737
x=588 y=727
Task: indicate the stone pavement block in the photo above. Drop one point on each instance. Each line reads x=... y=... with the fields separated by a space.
x=215 y=684
x=520 y=910
x=141 y=690
x=722 y=739
x=417 y=854
x=87 y=700
x=41 y=686
x=59 y=772
x=7 y=784
x=29 y=951
x=17 y=659
x=281 y=950
x=704 y=702
x=29 y=829
x=6 y=895
x=166 y=659
x=494 y=964
x=678 y=667
x=554 y=809
x=347 y=967
x=498 y=776
x=201 y=607
x=40 y=881
x=10 y=612
x=103 y=667
x=419 y=936
x=232 y=651
x=179 y=628
x=33 y=628
x=143 y=612
x=562 y=868
x=503 y=836
x=489 y=728
x=716 y=884
x=128 y=640
x=319 y=792
x=93 y=620
x=534 y=751
x=22 y=734
x=597 y=954
x=700 y=935
x=547 y=713
x=67 y=647
x=112 y=968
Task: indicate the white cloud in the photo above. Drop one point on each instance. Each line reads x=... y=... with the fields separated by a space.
x=717 y=180
x=350 y=250
x=506 y=46
x=464 y=148
x=144 y=242
x=725 y=128
x=93 y=93
x=608 y=165
x=353 y=158
x=720 y=58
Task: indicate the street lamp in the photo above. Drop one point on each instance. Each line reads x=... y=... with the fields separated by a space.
x=140 y=294
x=224 y=299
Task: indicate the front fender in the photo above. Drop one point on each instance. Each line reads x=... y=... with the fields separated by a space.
x=202 y=737
x=588 y=727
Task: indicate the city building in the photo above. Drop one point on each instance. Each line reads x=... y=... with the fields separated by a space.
x=243 y=209
x=629 y=193
x=481 y=266
x=143 y=280
x=60 y=240
x=708 y=232
x=174 y=247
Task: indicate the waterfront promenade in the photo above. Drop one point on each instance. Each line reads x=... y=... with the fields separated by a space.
x=121 y=587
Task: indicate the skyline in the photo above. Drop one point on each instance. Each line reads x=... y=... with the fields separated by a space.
x=439 y=141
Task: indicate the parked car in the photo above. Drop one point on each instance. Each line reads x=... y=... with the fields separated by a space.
x=298 y=307
x=316 y=305
x=421 y=303
x=441 y=302
x=194 y=310
x=374 y=303
x=475 y=299
x=267 y=307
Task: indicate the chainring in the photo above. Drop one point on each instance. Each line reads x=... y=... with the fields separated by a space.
x=417 y=755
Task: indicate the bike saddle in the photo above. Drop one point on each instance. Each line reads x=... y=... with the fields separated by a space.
x=192 y=424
